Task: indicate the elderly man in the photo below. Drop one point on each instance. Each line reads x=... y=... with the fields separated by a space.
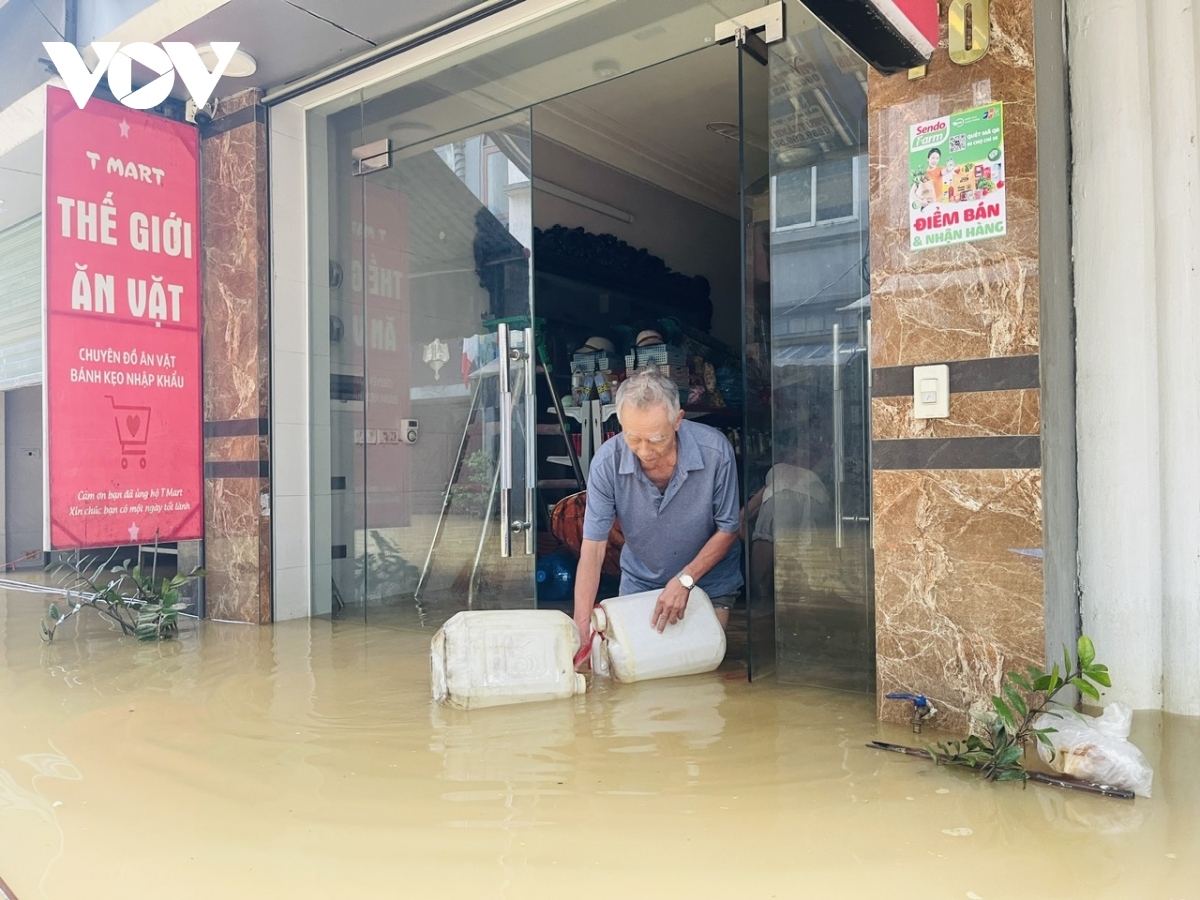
x=673 y=484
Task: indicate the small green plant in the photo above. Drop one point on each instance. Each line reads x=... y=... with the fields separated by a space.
x=135 y=600
x=998 y=753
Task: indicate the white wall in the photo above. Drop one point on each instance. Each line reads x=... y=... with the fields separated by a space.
x=690 y=238
x=291 y=443
x=23 y=453
x=3 y=493
x=1136 y=198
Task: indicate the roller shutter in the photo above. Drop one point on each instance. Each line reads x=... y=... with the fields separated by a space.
x=21 y=304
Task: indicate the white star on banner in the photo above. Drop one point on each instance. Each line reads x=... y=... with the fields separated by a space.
x=133 y=532
x=124 y=128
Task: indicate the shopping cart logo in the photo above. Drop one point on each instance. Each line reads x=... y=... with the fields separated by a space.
x=133 y=427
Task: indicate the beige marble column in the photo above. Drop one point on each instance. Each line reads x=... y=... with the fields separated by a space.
x=236 y=362
x=958 y=501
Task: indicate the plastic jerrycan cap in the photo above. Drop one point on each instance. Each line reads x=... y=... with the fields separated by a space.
x=599 y=620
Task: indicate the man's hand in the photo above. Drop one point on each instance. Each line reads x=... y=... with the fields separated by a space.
x=670 y=606
x=587 y=579
x=584 y=624
x=583 y=654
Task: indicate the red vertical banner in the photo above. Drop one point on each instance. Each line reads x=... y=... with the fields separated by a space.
x=123 y=366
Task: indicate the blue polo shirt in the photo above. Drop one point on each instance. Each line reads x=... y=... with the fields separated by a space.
x=665 y=530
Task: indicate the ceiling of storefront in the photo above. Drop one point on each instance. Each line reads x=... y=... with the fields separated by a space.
x=652 y=124
x=21 y=182
x=287 y=38
x=293 y=38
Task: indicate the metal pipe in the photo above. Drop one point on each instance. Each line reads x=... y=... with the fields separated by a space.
x=487 y=517
x=870 y=442
x=458 y=458
x=530 y=440
x=504 y=347
x=580 y=481
x=839 y=440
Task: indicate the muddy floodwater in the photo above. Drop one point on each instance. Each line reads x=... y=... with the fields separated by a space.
x=305 y=760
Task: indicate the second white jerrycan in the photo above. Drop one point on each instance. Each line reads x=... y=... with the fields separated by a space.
x=635 y=651
x=491 y=657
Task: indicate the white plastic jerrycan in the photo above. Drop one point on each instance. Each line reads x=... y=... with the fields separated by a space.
x=635 y=651
x=491 y=657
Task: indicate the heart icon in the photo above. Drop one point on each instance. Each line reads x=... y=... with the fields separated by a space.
x=133 y=423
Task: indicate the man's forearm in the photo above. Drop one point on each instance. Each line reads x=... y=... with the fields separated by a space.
x=711 y=553
x=587 y=581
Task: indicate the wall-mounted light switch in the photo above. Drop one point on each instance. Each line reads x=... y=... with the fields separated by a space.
x=931 y=392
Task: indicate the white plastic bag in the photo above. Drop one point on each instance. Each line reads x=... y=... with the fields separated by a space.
x=1097 y=749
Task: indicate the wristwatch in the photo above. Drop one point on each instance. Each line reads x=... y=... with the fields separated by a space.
x=686 y=580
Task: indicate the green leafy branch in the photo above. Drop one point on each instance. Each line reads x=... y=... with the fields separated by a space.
x=471 y=494
x=998 y=753
x=135 y=600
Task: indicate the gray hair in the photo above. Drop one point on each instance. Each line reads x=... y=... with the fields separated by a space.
x=648 y=388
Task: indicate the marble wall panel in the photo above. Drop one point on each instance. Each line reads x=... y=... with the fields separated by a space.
x=969 y=300
x=977 y=414
x=233 y=550
x=958 y=573
x=958 y=584
x=236 y=361
x=235 y=259
x=231 y=449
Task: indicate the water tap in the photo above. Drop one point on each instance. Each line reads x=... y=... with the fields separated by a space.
x=922 y=708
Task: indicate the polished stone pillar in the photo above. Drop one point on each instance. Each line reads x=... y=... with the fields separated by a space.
x=236 y=362
x=958 y=502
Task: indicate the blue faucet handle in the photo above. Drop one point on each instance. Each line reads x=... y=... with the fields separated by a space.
x=918 y=700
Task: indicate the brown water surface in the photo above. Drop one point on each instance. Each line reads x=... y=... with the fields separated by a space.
x=305 y=760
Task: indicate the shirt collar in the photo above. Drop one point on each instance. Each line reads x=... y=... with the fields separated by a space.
x=690 y=457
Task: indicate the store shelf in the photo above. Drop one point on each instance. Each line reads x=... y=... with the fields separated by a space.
x=607 y=411
x=717 y=412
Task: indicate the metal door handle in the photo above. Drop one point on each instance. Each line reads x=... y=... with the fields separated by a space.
x=870 y=444
x=503 y=359
x=530 y=439
x=839 y=471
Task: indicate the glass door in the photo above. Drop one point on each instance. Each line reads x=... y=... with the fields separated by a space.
x=430 y=333
x=757 y=445
x=428 y=428
x=808 y=307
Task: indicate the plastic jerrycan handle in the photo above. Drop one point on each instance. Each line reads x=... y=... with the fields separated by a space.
x=598 y=623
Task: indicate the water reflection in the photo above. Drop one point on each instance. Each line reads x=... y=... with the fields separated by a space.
x=519 y=745
x=661 y=716
x=305 y=760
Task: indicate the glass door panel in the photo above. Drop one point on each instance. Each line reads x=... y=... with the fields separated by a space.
x=433 y=332
x=431 y=257
x=754 y=162
x=579 y=44
x=815 y=506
